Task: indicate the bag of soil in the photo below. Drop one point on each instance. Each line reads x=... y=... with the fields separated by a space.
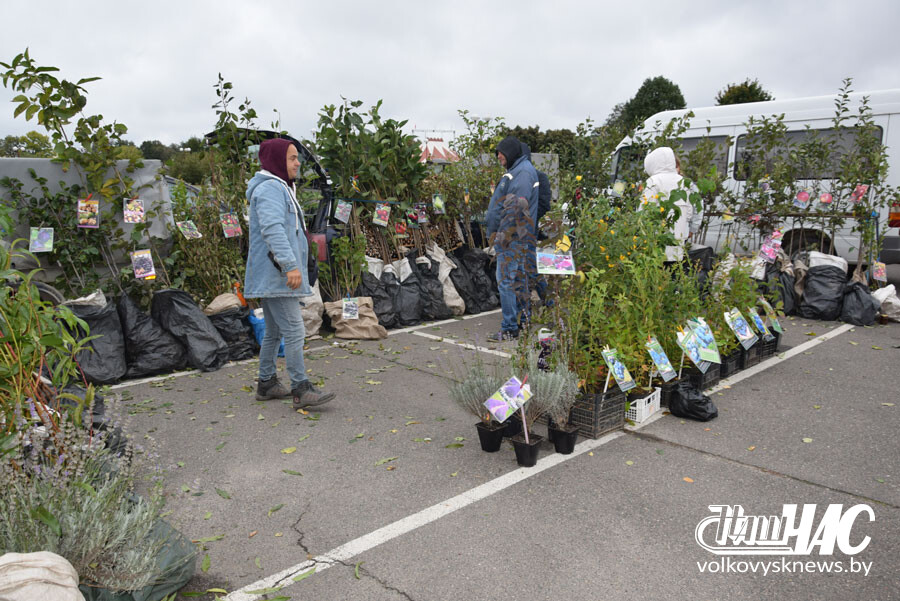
x=103 y=359
x=234 y=327
x=405 y=291
x=364 y=327
x=445 y=268
x=860 y=307
x=149 y=349
x=180 y=316
x=689 y=402
x=375 y=289
x=434 y=308
x=823 y=293
x=462 y=281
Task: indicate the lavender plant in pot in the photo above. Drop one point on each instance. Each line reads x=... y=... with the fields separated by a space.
x=476 y=383
x=559 y=389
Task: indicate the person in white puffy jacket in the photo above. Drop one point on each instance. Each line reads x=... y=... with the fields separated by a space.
x=665 y=175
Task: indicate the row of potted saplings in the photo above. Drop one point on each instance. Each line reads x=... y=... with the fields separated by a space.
x=514 y=405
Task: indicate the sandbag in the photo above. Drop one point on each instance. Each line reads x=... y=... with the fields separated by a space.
x=383 y=305
x=366 y=327
x=689 y=402
x=434 y=308
x=405 y=291
x=234 y=327
x=859 y=307
x=452 y=298
x=312 y=308
x=485 y=291
x=223 y=302
x=889 y=302
x=103 y=359
x=823 y=293
x=149 y=349
x=41 y=575
x=180 y=316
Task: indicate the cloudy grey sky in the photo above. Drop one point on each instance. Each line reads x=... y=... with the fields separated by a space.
x=541 y=63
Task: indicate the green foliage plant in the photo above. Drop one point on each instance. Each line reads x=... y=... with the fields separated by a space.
x=475 y=380
x=342 y=274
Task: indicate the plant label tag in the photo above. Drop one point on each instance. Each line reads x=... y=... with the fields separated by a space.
x=709 y=351
x=740 y=327
x=188 y=229
x=133 y=211
x=510 y=398
x=660 y=359
x=230 y=225
x=421 y=213
x=142 y=264
x=825 y=198
x=554 y=263
x=88 y=213
x=801 y=201
x=437 y=204
x=859 y=193
x=40 y=240
x=879 y=271
x=342 y=211
x=687 y=340
x=771 y=314
x=350 y=309
x=382 y=214
x=618 y=369
x=760 y=324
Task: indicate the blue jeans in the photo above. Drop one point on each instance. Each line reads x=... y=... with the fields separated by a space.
x=283 y=318
x=511 y=281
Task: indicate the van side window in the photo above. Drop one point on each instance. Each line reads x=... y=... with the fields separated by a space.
x=719 y=150
x=629 y=160
x=837 y=143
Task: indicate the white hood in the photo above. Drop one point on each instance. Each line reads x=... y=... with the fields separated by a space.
x=661 y=160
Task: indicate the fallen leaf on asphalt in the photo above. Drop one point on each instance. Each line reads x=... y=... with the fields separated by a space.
x=356 y=569
x=454 y=445
x=411 y=422
x=811 y=334
x=817 y=406
x=277 y=534
x=220 y=446
x=877 y=348
x=180 y=464
x=880 y=480
x=185 y=488
x=258 y=563
x=302 y=438
x=209 y=539
x=221 y=591
x=223 y=493
x=629 y=462
x=807 y=440
x=454 y=474
x=459 y=438
x=373 y=382
x=360 y=435
x=426 y=439
x=292 y=472
x=302 y=411
x=246 y=388
x=590 y=453
x=707 y=429
x=660 y=452
x=265 y=591
x=252 y=534
x=288 y=450
x=854 y=343
x=390 y=468
x=274 y=509
x=305 y=574
x=686 y=479
x=383 y=461
x=888 y=404
x=260 y=416
x=751 y=448
x=204 y=565
x=394 y=431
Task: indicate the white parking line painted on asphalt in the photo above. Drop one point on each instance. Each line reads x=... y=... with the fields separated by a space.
x=402 y=526
x=463 y=344
x=432 y=324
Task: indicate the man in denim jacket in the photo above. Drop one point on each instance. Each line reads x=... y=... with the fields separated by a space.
x=276 y=272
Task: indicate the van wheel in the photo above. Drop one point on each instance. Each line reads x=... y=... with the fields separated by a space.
x=808 y=240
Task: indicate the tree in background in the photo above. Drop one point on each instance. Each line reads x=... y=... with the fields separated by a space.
x=187 y=160
x=154 y=149
x=655 y=94
x=32 y=144
x=739 y=93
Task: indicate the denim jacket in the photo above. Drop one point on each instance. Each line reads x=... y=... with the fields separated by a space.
x=275 y=226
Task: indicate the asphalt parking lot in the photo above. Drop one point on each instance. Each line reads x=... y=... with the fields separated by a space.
x=386 y=493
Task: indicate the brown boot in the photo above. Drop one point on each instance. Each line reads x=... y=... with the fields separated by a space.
x=271 y=389
x=306 y=395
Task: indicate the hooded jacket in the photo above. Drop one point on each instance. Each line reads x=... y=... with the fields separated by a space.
x=506 y=213
x=275 y=226
x=664 y=177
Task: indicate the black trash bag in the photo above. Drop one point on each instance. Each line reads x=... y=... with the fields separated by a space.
x=860 y=308
x=462 y=281
x=689 y=401
x=234 y=327
x=113 y=438
x=180 y=316
x=103 y=360
x=823 y=295
x=434 y=308
x=406 y=297
x=381 y=299
x=476 y=261
x=149 y=349
x=702 y=261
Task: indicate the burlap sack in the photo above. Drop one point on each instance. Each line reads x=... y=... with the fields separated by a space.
x=33 y=576
x=312 y=309
x=222 y=303
x=364 y=328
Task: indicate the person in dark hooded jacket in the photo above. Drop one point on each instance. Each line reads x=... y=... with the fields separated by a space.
x=510 y=223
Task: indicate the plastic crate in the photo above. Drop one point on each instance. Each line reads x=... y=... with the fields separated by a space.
x=751 y=356
x=771 y=347
x=597 y=414
x=730 y=364
x=707 y=380
x=640 y=408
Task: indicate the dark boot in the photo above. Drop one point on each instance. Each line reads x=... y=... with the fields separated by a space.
x=306 y=395
x=271 y=389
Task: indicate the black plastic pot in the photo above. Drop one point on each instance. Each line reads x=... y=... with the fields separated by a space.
x=490 y=436
x=513 y=426
x=666 y=389
x=564 y=439
x=527 y=452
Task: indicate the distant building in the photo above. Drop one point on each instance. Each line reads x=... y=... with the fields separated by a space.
x=436 y=151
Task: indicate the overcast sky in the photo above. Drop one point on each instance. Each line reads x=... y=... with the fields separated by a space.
x=541 y=63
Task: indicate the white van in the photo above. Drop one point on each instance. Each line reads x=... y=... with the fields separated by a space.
x=726 y=126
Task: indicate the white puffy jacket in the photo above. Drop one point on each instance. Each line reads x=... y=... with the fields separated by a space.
x=664 y=177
